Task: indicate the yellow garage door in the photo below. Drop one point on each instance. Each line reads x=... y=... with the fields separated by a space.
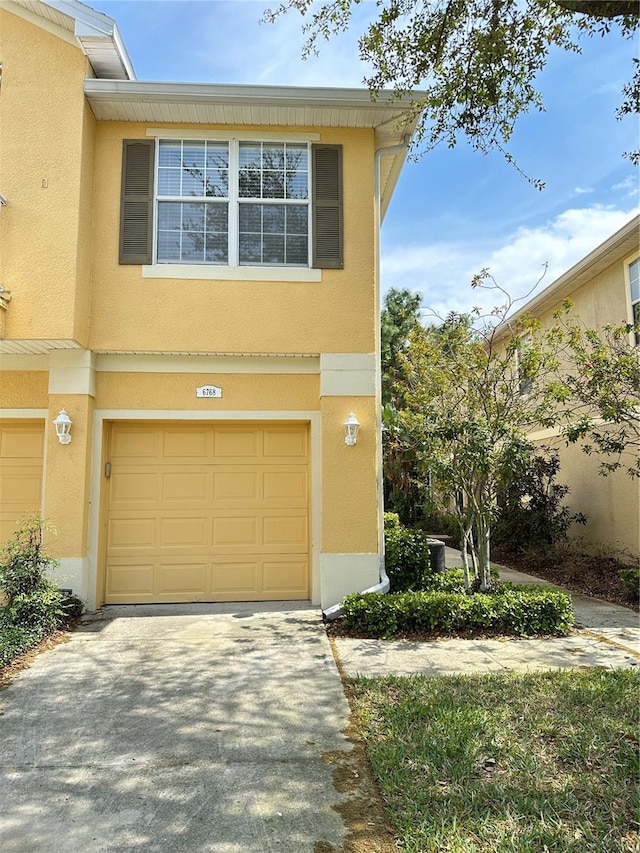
x=21 y=448
x=203 y=512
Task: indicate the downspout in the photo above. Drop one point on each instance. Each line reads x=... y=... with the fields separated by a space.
x=332 y=613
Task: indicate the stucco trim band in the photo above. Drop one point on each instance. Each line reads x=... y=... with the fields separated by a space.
x=348 y=375
x=72 y=372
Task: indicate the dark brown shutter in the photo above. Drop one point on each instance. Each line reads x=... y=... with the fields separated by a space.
x=327 y=207
x=136 y=202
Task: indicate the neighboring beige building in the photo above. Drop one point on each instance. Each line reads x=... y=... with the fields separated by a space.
x=190 y=272
x=604 y=288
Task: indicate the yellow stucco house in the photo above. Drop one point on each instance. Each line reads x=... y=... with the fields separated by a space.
x=604 y=288
x=189 y=274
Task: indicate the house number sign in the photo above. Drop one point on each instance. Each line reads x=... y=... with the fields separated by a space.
x=208 y=391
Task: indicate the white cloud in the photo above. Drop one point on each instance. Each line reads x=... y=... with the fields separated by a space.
x=630 y=186
x=442 y=273
x=583 y=190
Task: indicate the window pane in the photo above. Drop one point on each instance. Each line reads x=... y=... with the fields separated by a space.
x=297 y=185
x=169 y=181
x=193 y=155
x=217 y=216
x=250 y=154
x=217 y=183
x=217 y=155
x=169 y=215
x=249 y=182
x=273 y=219
x=250 y=249
x=251 y=217
x=297 y=251
x=297 y=219
x=216 y=249
x=193 y=217
x=634 y=278
x=169 y=154
x=168 y=246
x=273 y=249
x=192 y=247
x=192 y=183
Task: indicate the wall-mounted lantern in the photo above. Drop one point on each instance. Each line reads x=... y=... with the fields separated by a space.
x=351 y=427
x=63 y=427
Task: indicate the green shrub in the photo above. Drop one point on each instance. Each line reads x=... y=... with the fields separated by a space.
x=406 y=555
x=630 y=577
x=23 y=563
x=519 y=611
x=39 y=612
x=14 y=641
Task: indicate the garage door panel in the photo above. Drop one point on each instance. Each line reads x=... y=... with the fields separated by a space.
x=285 y=578
x=285 y=485
x=285 y=443
x=186 y=444
x=191 y=532
x=185 y=486
x=236 y=444
x=235 y=578
x=21 y=443
x=134 y=443
x=234 y=485
x=135 y=532
x=20 y=487
x=285 y=531
x=130 y=581
x=129 y=487
x=235 y=531
x=183 y=579
x=217 y=513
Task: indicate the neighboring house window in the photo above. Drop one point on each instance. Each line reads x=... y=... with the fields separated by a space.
x=233 y=203
x=525 y=383
x=634 y=282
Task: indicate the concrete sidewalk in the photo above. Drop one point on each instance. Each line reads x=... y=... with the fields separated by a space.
x=606 y=635
x=177 y=728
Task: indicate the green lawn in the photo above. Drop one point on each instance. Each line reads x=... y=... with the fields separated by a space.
x=532 y=763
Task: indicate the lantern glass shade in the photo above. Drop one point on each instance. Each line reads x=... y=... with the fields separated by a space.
x=351 y=427
x=63 y=427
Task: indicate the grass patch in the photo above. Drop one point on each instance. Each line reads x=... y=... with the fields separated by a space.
x=533 y=763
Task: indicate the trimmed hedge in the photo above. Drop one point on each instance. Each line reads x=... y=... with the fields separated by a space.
x=518 y=611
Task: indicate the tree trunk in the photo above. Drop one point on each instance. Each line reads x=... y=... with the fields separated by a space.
x=483 y=546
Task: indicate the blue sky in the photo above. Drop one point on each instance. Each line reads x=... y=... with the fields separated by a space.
x=454 y=211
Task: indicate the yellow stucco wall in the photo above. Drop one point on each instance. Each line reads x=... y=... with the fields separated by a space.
x=43 y=124
x=349 y=478
x=24 y=389
x=611 y=503
x=135 y=313
x=177 y=391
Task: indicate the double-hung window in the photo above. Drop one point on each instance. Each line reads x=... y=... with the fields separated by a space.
x=231 y=203
x=634 y=283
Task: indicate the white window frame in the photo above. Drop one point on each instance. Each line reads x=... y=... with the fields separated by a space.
x=632 y=302
x=234 y=200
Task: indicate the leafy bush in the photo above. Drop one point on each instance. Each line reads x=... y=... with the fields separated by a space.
x=531 y=514
x=34 y=607
x=24 y=563
x=630 y=577
x=406 y=555
x=519 y=611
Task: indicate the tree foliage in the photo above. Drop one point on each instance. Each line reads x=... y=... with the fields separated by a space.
x=399 y=317
x=601 y=388
x=468 y=412
x=471 y=65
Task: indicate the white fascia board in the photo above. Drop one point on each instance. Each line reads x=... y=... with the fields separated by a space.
x=91 y=24
x=235 y=93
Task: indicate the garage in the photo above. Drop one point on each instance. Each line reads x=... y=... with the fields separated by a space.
x=21 y=456
x=207 y=512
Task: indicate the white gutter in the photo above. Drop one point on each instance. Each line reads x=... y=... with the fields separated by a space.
x=332 y=613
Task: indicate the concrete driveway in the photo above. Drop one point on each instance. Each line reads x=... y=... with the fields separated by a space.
x=195 y=728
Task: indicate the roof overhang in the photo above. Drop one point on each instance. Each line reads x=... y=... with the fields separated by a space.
x=96 y=34
x=391 y=118
x=614 y=249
